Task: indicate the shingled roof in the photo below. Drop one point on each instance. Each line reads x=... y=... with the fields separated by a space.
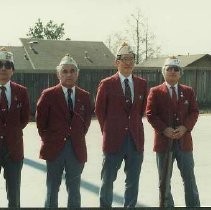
x=203 y=60
x=45 y=55
x=21 y=61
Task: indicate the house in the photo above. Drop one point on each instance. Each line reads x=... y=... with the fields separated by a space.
x=36 y=61
x=197 y=73
x=199 y=60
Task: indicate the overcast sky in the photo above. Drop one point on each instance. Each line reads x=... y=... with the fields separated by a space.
x=180 y=26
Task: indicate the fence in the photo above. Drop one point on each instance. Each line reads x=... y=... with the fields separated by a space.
x=198 y=78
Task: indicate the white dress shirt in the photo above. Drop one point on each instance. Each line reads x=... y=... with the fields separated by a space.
x=130 y=82
x=72 y=95
x=170 y=89
x=7 y=92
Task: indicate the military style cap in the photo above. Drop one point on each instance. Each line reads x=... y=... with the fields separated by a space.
x=5 y=55
x=173 y=61
x=125 y=49
x=67 y=59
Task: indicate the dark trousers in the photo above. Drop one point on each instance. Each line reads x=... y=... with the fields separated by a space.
x=185 y=164
x=68 y=162
x=111 y=164
x=12 y=175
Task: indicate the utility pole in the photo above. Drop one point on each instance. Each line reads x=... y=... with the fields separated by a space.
x=137 y=37
x=146 y=42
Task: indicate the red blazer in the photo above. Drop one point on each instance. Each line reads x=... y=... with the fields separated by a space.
x=52 y=122
x=159 y=113
x=16 y=120
x=113 y=118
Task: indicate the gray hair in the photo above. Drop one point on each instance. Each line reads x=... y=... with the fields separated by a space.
x=60 y=67
x=165 y=67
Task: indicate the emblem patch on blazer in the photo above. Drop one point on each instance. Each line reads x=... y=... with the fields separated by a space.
x=186 y=102
x=19 y=104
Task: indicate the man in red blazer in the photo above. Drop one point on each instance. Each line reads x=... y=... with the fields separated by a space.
x=14 y=116
x=120 y=106
x=172 y=111
x=63 y=117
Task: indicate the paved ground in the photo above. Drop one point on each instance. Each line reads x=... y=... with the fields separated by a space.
x=33 y=174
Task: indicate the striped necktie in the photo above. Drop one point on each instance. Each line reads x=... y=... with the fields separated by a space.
x=70 y=102
x=128 y=94
x=3 y=103
x=174 y=96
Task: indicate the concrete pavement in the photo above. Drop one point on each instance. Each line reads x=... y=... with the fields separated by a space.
x=33 y=174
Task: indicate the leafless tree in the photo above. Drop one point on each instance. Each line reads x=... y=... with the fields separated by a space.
x=114 y=40
x=139 y=36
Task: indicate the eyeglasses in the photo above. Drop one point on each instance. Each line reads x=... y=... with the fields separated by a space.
x=173 y=68
x=127 y=59
x=6 y=64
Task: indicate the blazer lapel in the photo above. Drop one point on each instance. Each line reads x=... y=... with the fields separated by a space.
x=14 y=98
x=15 y=103
x=62 y=104
x=180 y=95
x=77 y=100
x=166 y=93
x=137 y=93
x=118 y=88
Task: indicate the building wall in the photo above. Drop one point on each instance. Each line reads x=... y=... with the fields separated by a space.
x=89 y=79
x=199 y=79
x=36 y=82
x=205 y=62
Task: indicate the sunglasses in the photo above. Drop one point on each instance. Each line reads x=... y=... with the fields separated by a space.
x=173 y=68
x=6 y=64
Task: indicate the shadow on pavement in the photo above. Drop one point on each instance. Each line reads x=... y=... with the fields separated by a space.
x=86 y=185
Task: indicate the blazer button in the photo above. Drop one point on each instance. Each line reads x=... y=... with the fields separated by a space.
x=1 y=137
x=126 y=128
x=65 y=139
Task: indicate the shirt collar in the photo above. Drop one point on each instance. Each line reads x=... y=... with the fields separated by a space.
x=169 y=86
x=122 y=78
x=65 y=89
x=7 y=85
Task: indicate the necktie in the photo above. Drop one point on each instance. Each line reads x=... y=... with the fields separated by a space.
x=3 y=103
x=128 y=94
x=70 y=102
x=174 y=96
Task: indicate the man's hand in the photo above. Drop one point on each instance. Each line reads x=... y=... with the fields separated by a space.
x=179 y=131
x=169 y=132
x=175 y=133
